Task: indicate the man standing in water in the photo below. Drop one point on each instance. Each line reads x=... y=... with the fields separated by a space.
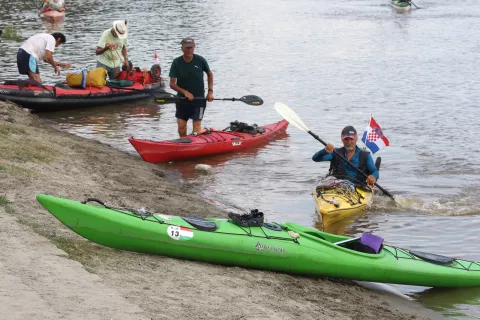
x=186 y=77
x=37 y=48
x=358 y=157
x=112 y=43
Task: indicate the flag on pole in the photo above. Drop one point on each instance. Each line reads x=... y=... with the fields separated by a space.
x=155 y=58
x=373 y=137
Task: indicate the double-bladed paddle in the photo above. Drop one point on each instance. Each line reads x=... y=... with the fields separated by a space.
x=290 y=115
x=415 y=5
x=165 y=98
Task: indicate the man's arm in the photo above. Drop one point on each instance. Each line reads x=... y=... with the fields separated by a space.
x=210 y=86
x=322 y=155
x=100 y=51
x=49 y=59
x=174 y=86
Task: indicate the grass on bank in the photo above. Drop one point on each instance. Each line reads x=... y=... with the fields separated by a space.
x=25 y=151
x=11 y=33
x=4 y=203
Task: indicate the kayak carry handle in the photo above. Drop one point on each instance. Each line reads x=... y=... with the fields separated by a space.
x=94 y=200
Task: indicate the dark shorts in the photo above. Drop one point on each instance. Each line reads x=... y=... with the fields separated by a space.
x=190 y=110
x=25 y=62
x=112 y=72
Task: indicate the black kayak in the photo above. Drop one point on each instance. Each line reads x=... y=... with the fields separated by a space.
x=33 y=95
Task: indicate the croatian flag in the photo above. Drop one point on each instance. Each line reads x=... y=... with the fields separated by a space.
x=373 y=137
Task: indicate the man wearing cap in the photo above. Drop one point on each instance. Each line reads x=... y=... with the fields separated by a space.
x=186 y=77
x=112 y=43
x=361 y=159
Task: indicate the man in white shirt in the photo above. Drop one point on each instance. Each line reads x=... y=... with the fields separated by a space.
x=112 y=43
x=39 y=47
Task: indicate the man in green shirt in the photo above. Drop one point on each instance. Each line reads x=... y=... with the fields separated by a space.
x=112 y=43
x=186 y=77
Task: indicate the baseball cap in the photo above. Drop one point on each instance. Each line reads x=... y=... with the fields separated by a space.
x=349 y=132
x=188 y=43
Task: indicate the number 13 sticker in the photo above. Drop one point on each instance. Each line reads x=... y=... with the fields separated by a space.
x=179 y=233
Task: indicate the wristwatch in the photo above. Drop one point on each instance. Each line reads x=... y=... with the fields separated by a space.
x=210 y=90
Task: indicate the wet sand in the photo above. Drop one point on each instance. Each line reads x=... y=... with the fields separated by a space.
x=49 y=272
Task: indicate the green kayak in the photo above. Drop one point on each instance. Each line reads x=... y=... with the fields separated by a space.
x=401 y=5
x=248 y=242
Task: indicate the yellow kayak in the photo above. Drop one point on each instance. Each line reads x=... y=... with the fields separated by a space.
x=336 y=199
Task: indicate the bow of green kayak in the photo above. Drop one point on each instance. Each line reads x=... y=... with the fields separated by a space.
x=286 y=247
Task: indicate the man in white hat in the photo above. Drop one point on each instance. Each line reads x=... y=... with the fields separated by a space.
x=111 y=45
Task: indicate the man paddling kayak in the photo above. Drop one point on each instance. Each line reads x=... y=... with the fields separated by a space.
x=186 y=77
x=359 y=158
x=58 y=5
x=37 y=48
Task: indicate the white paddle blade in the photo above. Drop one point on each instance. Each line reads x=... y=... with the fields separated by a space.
x=290 y=115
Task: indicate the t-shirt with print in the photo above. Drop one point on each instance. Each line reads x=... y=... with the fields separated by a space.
x=37 y=44
x=111 y=58
x=189 y=75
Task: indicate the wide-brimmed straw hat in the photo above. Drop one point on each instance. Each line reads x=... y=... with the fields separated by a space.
x=121 y=29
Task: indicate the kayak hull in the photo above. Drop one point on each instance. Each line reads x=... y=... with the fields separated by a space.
x=50 y=98
x=53 y=15
x=215 y=142
x=292 y=249
x=335 y=204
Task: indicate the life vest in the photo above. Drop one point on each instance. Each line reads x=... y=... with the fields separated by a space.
x=337 y=169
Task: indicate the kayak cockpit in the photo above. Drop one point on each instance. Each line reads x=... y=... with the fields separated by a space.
x=367 y=243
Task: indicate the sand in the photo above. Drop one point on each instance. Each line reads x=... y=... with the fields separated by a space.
x=49 y=272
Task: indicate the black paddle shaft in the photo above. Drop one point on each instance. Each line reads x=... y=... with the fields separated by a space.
x=414 y=5
x=169 y=98
x=346 y=160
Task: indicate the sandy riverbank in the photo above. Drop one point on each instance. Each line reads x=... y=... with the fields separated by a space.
x=48 y=272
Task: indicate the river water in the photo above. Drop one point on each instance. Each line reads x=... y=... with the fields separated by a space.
x=334 y=63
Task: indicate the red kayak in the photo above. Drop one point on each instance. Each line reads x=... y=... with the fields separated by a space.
x=208 y=143
x=53 y=15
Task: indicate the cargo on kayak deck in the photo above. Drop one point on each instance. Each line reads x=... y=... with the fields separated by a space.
x=336 y=199
x=33 y=95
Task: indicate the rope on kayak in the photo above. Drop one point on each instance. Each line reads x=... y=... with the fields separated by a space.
x=343 y=189
x=140 y=213
x=399 y=253
x=144 y=215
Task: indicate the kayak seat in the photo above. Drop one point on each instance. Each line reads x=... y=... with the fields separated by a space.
x=372 y=241
x=182 y=140
x=367 y=243
x=432 y=258
x=378 y=161
x=201 y=224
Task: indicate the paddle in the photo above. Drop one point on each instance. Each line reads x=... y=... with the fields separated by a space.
x=415 y=5
x=290 y=115
x=165 y=98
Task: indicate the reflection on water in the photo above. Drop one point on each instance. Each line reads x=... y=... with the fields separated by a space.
x=334 y=63
x=452 y=303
